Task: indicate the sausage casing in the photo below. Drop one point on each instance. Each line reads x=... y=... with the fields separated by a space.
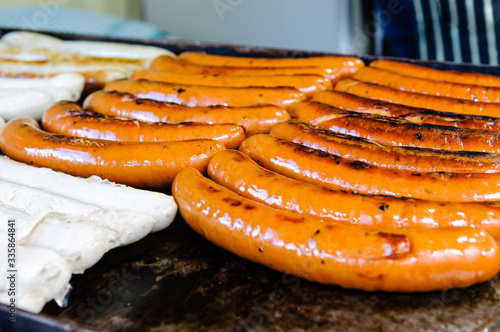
x=150 y=164
x=442 y=104
x=197 y=95
x=326 y=170
x=392 y=157
x=411 y=114
x=68 y=118
x=435 y=74
x=231 y=61
x=254 y=119
x=167 y=64
x=426 y=86
x=305 y=83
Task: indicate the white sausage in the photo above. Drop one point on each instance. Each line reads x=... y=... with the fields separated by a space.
x=82 y=243
x=33 y=40
x=37 y=204
x=92 y=190
x=72 y=82
x=43 y=275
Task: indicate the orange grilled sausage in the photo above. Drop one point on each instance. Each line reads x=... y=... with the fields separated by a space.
x=323 y=169
x=353 y=257
x=232 y=61
x=68 y=118
x=305 y=83
x=355 y=103
x=198 y=95
x=435 y=74
x=397 y=132
x=442 y=104
x=412 y=114
x=431 y=87
x=152 y=164
x=237 y=172
x=392 y=157
x=168 y=64
x=254 y=119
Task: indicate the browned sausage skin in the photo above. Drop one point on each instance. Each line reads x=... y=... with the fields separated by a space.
x=326 y=170
x=155 y=164
x=68 y=118
x=415 y=160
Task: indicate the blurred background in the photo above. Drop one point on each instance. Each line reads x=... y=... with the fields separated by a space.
x=279 y=23
x=453 y=30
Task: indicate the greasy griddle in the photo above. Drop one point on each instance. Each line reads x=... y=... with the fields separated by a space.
x=175 y=280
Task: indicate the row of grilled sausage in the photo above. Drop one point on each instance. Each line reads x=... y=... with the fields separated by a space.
x=178 y=123
x=356 y=192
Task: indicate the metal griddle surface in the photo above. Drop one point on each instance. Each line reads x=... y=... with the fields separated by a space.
x=175 y=280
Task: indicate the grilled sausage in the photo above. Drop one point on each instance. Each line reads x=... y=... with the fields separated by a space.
x=323 y=169
x=68 y=118
x=442 y=104
x=197 y=95
x=412 y=114
x=392 y=157
x=254 y=119
x=305 y=83
x=232 y=61
x=155 y=164
x=421 y=85
x=439 y=75
x=167 y=64
x=397 y=132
